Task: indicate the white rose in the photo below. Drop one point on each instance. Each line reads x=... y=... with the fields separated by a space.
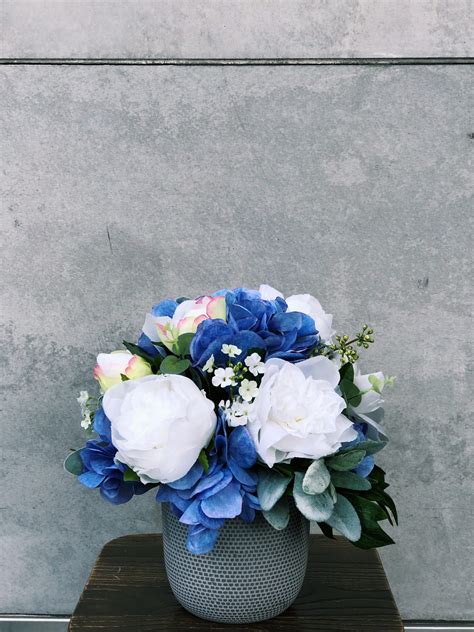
x=186 y=319
x=297 y=412
x=371 y=399
x=160 y=423
x=306 y=304
x=111 y=366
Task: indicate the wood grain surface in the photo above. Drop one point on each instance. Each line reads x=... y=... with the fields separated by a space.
x=345 y=590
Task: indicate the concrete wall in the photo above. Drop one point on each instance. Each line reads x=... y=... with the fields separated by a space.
x=123 y=185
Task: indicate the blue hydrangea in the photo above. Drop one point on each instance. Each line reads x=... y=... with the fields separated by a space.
x=254 y=323
x=100 y=470
x=367 y=464
x=204 y=500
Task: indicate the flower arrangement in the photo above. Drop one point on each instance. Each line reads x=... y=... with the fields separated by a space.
x=237 y=403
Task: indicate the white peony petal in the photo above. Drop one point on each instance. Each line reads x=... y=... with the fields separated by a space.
x=159 y=423
x=320 y=368
x=268 y=293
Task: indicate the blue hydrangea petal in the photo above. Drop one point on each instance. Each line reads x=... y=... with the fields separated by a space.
x=147 y=345
x=119 y=494
x=365 y=466
x=208 y=481
x=253 y=501
x=245 y=477
x=225 y=504
x=202 y=541
x=242 y=448
x=91 y=479
x=189 y=479
x=102 y=426
x=165 y=308
x=248 y=512
x=215 y=489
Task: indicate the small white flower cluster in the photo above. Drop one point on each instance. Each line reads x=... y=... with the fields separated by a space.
x=236 y=412
x=238 y=409
x=84 y=401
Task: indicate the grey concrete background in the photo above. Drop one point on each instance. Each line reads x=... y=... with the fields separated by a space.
x=352 y=183
x=242 y=28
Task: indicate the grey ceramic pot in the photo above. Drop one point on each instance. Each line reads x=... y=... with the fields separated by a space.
x=253 y=573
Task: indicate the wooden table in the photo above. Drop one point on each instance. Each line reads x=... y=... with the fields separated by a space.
x=345 y=590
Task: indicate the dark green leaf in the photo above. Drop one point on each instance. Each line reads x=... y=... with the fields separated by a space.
x=129 y=475
x=138 y=351
x=384 y=500
x=184 y=342
x=73 y=463
x=124 y=378
x=370 y=446
x=350 y=480
x=370 y=514
x=203 y=460
x=372 y=540
x=346 y=460
x=350 y=392
x=347 y=372
x=172 y=364
x=197 y=378
x=327 y=530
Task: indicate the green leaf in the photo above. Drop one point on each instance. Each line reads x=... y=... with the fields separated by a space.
x=73 y=463
x=279 y=515
x=172 y=364
x=350 y=480
x=138 y=351
x=350 y=392
x=271 y=487
x=124 y=378
x=377 y=478
x=316 y=507
x=370 y=446
x=347 y=372
x=344 y=519
x=184 y=342
x=203 y=460
x=129 y=475
x=373 y=541
x=346 y=460
x=383 y=500
x=317 y=478
x=370 y=514
x=327 y=530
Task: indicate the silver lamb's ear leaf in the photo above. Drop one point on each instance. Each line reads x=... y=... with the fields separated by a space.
x=316 y=507
x=317 y=478
x=271 y=487
x=73 y=463
x=350 y=480
x=279 y=514
x=344 y=519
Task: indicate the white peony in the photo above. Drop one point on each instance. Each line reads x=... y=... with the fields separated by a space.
x=306 y=304
x=160 y=423
x=297 y=412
